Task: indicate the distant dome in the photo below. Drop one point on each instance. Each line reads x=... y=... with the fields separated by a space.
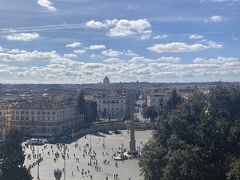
x=106 y=80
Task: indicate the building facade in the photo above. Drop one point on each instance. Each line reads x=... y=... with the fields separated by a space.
x=42 y=118
x=4 y=115
x=2 y=124
x=157 y=99
x=110 y=106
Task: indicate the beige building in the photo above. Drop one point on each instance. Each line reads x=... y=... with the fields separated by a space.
x=113 y=106
x=44 y=118
x=4 y=114
x=157 y=99
x=2 y=125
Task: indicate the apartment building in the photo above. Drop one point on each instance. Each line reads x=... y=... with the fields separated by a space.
x=2 y=124
x=157 y=99
x=42 y=117
x=4 y=113
x=111 y=105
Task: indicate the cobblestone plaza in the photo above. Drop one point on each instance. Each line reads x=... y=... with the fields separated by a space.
x=102 y=167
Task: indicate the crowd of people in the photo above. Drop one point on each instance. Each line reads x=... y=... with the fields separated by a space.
x=61 y=152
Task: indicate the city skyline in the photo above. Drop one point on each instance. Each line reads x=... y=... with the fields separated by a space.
x=81 y=41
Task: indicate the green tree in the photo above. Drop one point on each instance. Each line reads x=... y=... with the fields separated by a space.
x=150 y=112
x=94 y=112
x=81 y=103
x=12 y=158
x=234 y=170
x=91 y=111
x=199 y=140
x=174 y=100
x=104 y=113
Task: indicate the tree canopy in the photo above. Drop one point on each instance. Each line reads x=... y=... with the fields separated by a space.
x=81 y=104
x=12 y=158
x=87 y=108
x=91 y=111
x=150 y=112
x=154 y=112
x=199 y=140
x=174 y=100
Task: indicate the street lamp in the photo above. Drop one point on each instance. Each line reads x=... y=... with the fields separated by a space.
x=90 y=141
x=90 y=149
x=38 y=162
x=103 y=143
x=64 y=150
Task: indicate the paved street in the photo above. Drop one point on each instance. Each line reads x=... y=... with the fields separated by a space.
x=77 y=161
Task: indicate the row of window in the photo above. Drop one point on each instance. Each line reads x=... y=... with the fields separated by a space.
x=42 y=118
x=111 y=114
x=33 y=112
x=40 y=130
x=32 y=118
x=41 y=112
x=110 y=101
x=113 y=109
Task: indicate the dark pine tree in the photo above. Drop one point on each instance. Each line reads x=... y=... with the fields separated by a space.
x=12 y=158
x=174 y=100
x=199 y=140
x=91 y=111
x=104 y=113
x=150 y=112
x=81 y=103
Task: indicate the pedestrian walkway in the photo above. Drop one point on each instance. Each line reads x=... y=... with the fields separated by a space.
x=90 y=157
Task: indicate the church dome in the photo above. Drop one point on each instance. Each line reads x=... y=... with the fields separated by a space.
x=106 y=80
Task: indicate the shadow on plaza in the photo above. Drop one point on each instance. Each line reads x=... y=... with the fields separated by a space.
x=70 y=139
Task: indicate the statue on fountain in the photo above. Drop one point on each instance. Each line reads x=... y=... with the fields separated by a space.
x=57 y=174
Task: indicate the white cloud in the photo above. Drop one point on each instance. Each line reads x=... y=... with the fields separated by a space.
x=112 y=60
x=18 y=56
x=195 y=36
x=55 y=68
x=218 y=60
x=22 y=55
x=7 y=69
x=73 y=45
x=183 y=47
x=114 y=53
x=154 y=71
x=160 y=36
x=123 y=27
x=23 y=37
x=169 y=59
x=70 y=56
x=111 y=53
x=12 y=31
x=130 y=53
x=100 y=25
x=97 y=47
x=216 y=19
x=79 y=51
x=17 y=51
x=140 y=59
x=46 y=4
x=214 y=45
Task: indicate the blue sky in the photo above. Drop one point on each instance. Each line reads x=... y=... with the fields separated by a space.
x=81 y=41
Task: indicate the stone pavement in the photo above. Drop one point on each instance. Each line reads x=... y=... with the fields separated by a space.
x=77 y=158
